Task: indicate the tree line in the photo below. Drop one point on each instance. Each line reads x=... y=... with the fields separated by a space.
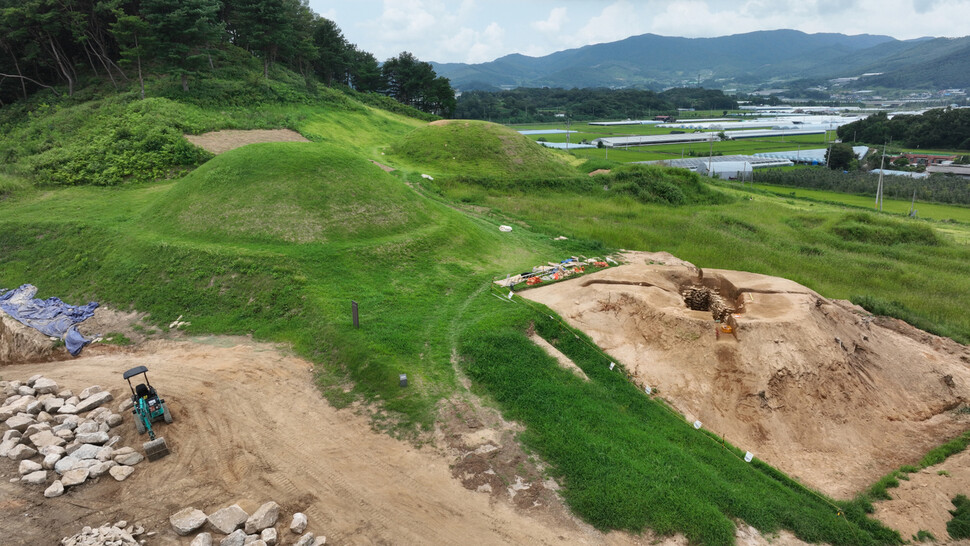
x=56 y=44
x=947 y=128
x=531 y=105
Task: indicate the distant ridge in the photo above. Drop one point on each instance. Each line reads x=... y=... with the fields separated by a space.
x=652 y=61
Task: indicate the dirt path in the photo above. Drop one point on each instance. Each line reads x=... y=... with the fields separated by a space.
x=218 y=142
x=250 y=427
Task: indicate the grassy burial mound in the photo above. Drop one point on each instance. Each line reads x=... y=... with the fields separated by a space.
x=480 y=149
x=291 y=193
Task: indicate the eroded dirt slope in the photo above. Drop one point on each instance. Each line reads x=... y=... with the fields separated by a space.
x=814 y=386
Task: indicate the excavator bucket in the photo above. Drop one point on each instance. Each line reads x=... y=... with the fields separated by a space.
x=156 y=449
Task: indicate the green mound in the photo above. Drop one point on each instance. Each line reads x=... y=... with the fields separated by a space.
x=478 y=148
x=291 y=193
x=867 y=228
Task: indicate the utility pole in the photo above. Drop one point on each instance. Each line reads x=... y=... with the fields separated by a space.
x=709 y=155
x=882 y=164
x=567 y=130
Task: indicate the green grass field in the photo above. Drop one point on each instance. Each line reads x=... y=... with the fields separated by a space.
x=931 y=211
x=275 y=240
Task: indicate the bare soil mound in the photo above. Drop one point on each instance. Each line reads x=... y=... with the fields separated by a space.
x=813 y=386
x=218 y=142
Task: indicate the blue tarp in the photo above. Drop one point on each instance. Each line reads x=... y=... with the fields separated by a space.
x=52 y=316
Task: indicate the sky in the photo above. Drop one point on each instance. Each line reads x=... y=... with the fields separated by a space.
x=475 y=31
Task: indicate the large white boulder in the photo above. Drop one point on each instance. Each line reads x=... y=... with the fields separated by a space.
x=228 y=519
x=21 y=452
x=94 y=401
x=35 y=478
x=298 y=524
x=74 y=477
x=264 y=516
x=120 y=473
x=45 y=386
x=93 y=389
x=188 y=520
x=56 y=489
x=27 y=466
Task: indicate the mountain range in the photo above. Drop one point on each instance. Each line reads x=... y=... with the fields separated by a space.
x=743 y=61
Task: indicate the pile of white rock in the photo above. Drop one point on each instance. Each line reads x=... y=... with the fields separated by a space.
x=47 y=430
x=240 y=528
x=119 y=534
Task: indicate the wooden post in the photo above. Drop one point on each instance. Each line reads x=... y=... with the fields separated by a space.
x=353 y=311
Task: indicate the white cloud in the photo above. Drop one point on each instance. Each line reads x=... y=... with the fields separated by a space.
x=554 y=23
x=472 y=46
x=617 y=21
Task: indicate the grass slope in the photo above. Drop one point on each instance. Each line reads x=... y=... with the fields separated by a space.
x=421 y=278
x=874 y=258
x=292 y=192
x=478 y=148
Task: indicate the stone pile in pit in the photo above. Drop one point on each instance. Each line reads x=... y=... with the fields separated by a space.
x=237 y=528
x=61 y=440
x=119 y=534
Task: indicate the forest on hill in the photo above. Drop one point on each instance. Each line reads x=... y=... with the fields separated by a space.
x=62 y=46
x=938 y=128
x=529 y=105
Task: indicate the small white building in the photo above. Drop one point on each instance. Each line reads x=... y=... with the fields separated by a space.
x=726 y=170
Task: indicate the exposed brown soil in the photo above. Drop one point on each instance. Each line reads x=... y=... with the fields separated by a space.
x=218 y=142
x=251 y=427
x=813 y=386
x=924 y=501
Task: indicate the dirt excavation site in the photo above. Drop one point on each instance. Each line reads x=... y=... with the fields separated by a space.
x=816 y=387
x=251 y=427
x=819 y=388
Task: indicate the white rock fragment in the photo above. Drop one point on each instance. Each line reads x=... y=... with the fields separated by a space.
x=264 y=516
x=45 y=386
x=94 y=401
x=27 y=466
x=74 y=477
x=97 y=438
x=128 y=459
x=120 y=472
x=188 y=520
x=202 y=539
x=269 y=536
x=93 y=389
x=305 y=540
x=35 y=478
x=236 y=538
x=228 y=519
x=50 y=460
x=298 y=524
x=56 y=489
x=20 y=452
